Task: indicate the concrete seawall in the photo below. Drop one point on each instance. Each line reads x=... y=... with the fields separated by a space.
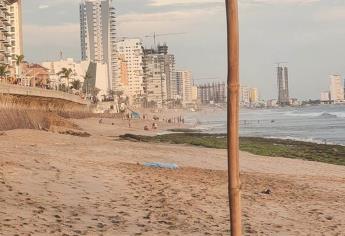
x=9 y=89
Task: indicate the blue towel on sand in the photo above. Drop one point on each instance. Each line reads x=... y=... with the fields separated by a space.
x=171 y=166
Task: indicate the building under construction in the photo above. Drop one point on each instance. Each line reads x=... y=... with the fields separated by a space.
x=283 y=85
x=159 y=81
x=212 y=93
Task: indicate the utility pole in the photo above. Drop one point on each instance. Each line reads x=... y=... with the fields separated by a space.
x=233 y=117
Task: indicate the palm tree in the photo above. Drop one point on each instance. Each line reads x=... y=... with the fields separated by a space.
x=3 y=71
x=76 y=84
x=19 y=60
x=66 y=73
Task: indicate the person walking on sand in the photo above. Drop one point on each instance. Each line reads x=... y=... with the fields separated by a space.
x=129 y=123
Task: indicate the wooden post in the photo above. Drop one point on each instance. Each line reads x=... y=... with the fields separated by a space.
x=233 y=117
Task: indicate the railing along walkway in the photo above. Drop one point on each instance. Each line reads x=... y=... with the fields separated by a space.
x=39 y=92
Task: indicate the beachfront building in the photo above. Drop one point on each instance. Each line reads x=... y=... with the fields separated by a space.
x=92 y=76
x=159 y=81
x=15 y=10
x=54 y=67
x=212 y=93
x=121 y=83
x=154 y=80
x=272 y=103
x=324 y=97
x=194 y=94
x=283 y=85
x=96 y=81
x=244 y=95
x=11 y=40
x=169 y=71
x=35 y=75
x=184 y=85
x=249 y=96
x=336 y=89
x=253 y=95
x=98 y=34
x=129 y=80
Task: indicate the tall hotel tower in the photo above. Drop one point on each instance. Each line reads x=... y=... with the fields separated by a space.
x=11 y=39
x=283 y=85
x=98 y=34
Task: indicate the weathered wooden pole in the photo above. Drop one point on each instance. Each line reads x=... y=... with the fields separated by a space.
x=233 y=117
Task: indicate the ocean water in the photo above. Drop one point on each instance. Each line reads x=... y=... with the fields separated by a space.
x=319 y=124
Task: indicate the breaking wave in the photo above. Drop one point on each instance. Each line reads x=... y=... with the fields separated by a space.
x=316 y=114
x=308 y=140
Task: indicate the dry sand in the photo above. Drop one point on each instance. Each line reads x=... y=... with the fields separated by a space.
x=53 y=184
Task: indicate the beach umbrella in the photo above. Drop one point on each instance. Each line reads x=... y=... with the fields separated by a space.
x=233 y=117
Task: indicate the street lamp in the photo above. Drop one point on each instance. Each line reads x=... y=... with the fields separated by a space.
x=233 y=117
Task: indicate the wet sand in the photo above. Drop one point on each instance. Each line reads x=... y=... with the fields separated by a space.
x=54 y=184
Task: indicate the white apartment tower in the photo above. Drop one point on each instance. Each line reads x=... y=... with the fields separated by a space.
x=130 y=76
x=16 y=26
x=244 y=95
x=253 y=95
x=11 y=39
x=98 y=35
x=184 y=85
x=336 y=88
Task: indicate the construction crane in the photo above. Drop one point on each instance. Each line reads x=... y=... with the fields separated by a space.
x=155 y=35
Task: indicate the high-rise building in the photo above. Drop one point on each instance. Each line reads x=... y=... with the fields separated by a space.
x=212 y=93
x=130 y=76
x=98 y=35
x=244 y=95
x=16 y=26
x=194 y=93
x=154 y=80
x=11 y=39
x=253 y=95
x=159 y=83
x=169 y=71
x=184 y=85
x=283 y=85
x=336 y=88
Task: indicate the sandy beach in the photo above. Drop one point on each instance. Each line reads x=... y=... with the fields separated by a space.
x=55 y=184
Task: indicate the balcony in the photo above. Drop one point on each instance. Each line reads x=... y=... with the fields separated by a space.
x=3 y=5
x=8 y=53
x=3 y=59
x=7 y=33
x=2 y=15
x=3 y=38
x=3 y=28
x=7 y=23
x=7 y=43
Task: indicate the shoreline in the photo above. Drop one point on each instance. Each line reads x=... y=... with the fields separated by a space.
x=325 y=153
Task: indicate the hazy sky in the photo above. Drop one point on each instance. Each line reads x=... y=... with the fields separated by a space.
x=309 y=34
